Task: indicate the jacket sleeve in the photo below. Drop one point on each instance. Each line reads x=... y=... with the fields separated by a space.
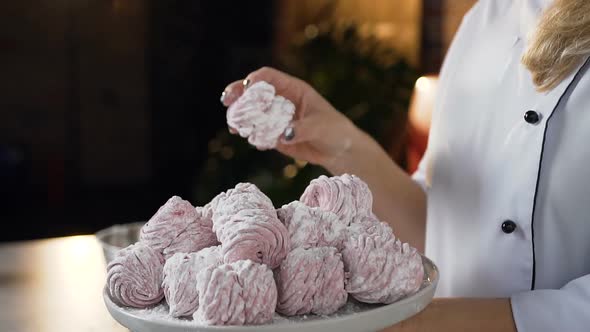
x=420 y=174
x=544 y=310
x=423 y=174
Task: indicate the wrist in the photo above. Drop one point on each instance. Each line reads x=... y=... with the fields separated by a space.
x=347 y=150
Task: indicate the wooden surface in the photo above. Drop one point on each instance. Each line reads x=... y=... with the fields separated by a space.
x=54 y=285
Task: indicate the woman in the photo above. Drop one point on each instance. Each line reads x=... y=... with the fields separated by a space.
x=501 y=200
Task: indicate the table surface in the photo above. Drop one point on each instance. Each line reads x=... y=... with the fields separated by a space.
x=54 y=285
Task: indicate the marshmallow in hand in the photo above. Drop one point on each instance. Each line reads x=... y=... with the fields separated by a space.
x=261 y=115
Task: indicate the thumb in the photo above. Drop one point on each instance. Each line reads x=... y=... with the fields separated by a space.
x=299 y=131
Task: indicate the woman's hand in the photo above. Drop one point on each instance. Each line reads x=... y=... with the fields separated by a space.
x=321 y=135
x=318 y=134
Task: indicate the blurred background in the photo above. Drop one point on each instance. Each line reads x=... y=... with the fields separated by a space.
x=109 y=107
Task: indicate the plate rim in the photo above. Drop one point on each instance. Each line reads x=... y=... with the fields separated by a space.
x=423 y=291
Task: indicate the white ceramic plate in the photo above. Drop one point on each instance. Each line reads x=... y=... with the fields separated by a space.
x=354 y=317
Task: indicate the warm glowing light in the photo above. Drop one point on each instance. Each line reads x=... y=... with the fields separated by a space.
x=300 y=163
x=311 y=31
x=385 y=30
x=66 y=271
x=290 y=171
x=118 y=5
x=77 y=248
x=423 y=84
x=422 y=103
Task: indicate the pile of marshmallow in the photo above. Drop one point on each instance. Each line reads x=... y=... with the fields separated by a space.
x=238 y=260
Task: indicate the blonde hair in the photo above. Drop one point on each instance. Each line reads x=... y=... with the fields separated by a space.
x=560 y=43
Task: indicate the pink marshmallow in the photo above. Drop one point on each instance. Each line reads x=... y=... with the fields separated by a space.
x=346 y=195
x=260 y=115
x=243 y=196
x=180 y=279
x=311 y=281
x=178 y=227
x=255 y=234
x=311 y=227
x=247 y=226
x=380 y=269
x=134 y=276
x=239 y=293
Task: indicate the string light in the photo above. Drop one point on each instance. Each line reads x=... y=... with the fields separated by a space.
x=290 y=171
x=300 y=163
x=422 y=103
x=311 y=31
x=423 y=83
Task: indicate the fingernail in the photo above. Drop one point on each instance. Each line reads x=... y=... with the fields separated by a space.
x=223 y=94
x=246 y=82
x=289 y=133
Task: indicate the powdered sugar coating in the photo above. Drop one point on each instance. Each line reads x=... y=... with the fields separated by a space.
x=198 y=235
x=311 y=281
x=246 y=110
x=239 y=293
x=269 y=129
x=205 y=213
x=259 y=291
x=312 y=227
x=347 y=196
x=380 y=269
x=178 y=227
x=247 y=226
x=260 y=115
x=134 y=276
x=257 y=235
x=339 y=246
x=370 y=226
x=180 y=279
x=243 y=196
x=220 y=292
x=370 y=219
x=207 y=257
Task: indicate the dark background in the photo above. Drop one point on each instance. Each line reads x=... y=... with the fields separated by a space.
x=107 y=107
x=56 y=134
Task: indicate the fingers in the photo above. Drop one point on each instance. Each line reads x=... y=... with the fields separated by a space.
x=288 y=150
x=299 y=131
x=284 y=84
x=289 y=134
x=232 y=92
x=281 y=81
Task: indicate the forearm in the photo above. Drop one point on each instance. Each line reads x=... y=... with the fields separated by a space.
x=397 y=198
x=461 y=314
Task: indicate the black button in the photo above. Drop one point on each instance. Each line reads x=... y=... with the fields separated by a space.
x=508 y=226
x=531 y=117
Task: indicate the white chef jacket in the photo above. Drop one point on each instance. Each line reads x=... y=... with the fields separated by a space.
x=486 y=166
